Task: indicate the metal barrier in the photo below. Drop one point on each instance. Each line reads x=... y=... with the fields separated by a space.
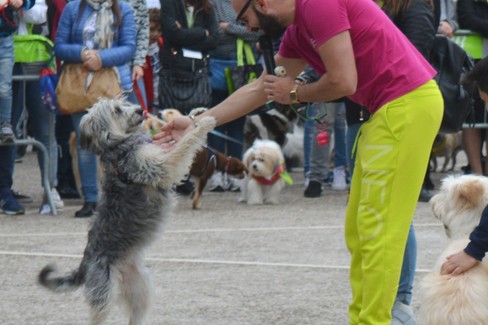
x=46 y=170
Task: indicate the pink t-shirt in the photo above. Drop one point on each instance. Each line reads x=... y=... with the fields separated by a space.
x=388 y=65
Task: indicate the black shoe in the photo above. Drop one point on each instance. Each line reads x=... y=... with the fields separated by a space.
x=87 y=210
x=22 y=197
x=314 y=189
x=185 y=188
x=66 y=192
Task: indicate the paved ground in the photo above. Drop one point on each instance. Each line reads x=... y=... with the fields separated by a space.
x=226 y=264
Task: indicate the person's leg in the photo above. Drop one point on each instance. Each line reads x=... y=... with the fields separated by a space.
x=471 y=145
x=88 y=168
x=404 y=294
x=66 y=180
x=386 y=185
x=352 y=132
x=8 y=204
x=307 y=142
x=319 y=155
x=6 y=70
x=340 y=160
x=42 y=120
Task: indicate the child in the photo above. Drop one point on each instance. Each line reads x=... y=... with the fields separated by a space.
x=151 y=79
x=478 y=245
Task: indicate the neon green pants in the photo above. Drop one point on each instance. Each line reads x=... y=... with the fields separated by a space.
x=393 y=150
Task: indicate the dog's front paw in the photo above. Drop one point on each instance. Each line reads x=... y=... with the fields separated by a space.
x=206 y=124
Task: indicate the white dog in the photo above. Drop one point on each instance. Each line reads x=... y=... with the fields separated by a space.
x=457 y=300
x=264 y=182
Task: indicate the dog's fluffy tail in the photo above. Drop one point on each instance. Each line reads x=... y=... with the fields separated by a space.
x=61 y=284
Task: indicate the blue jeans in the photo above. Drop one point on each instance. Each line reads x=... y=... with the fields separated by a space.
x=233 y=129
x=7 y=153
x=6 y=71
x=340 y=159
x=87 y=165
x=335 y=123
x=407 y=276
x=41 y=119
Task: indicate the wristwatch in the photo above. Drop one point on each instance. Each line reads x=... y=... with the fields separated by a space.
x=294 y=94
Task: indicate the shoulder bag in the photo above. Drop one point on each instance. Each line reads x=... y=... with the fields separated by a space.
x=243 y=73
x=78 y=88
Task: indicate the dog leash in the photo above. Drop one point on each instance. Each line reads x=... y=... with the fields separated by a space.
x=225 y=137
x=138 y=93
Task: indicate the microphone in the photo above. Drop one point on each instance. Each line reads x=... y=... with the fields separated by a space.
x=268 y=54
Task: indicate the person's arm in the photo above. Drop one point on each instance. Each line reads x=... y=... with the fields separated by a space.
x=473 y=253
x=340 y=79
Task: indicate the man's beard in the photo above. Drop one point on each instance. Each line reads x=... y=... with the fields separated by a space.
x=269 y=25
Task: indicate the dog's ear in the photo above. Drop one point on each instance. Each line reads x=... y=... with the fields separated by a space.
x=469 y=194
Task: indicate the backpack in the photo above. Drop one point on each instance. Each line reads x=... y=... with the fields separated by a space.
x=452 y=63
x=48 y=80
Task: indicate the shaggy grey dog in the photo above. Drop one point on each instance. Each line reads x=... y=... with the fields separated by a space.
x=135 y=201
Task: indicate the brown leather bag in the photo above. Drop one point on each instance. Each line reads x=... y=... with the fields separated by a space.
x=78 y=88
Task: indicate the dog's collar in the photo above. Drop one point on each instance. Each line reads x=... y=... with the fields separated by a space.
x=279 y=173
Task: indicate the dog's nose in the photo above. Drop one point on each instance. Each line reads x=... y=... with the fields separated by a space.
x=139 y=111
x=255 y=167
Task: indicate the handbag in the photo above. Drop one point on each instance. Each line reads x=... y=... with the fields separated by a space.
x=79 y=88
x=242 y=74
x=184 y=90
x=218 y=81
x=452 y=63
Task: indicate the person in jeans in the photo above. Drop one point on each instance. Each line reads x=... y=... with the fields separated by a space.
x=316 y=155
x=97 y=33
x=41 y=118
x=8 y=26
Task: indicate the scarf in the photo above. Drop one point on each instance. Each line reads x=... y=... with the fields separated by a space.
x=104 y=34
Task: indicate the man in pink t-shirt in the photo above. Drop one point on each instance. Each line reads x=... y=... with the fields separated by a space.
x=362 y=55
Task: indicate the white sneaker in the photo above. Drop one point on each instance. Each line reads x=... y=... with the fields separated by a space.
x=402 y=314
x=216 y=183
x=339 y=182
x=58 y=202
x=233 y=184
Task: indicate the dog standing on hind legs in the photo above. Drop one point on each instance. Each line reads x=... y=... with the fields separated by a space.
x=136 y=200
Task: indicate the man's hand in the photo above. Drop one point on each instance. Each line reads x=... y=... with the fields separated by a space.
x=172 y=132
x=278 y=88
x=458 y=263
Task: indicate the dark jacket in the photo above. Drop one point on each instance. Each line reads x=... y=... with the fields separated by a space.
x=417 y=23
x=9 y=18
x=479 y=238
x=176 y=38
x=473 y=15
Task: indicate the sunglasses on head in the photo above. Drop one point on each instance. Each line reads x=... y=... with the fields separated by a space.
x=243 y=10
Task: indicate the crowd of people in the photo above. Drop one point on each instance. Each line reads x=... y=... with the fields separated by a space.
x=364 y=65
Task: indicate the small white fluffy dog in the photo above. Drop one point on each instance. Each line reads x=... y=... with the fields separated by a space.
x=458 y=300
x=265 y=163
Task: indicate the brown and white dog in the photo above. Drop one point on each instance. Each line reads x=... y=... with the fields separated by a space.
x=206 y=162
x=446 y=145
x=265 y=165
x=455 y=300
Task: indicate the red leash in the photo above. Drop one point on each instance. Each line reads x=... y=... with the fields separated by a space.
x=137 y=90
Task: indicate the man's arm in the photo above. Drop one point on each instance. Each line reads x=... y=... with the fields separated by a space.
x=339 y=80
